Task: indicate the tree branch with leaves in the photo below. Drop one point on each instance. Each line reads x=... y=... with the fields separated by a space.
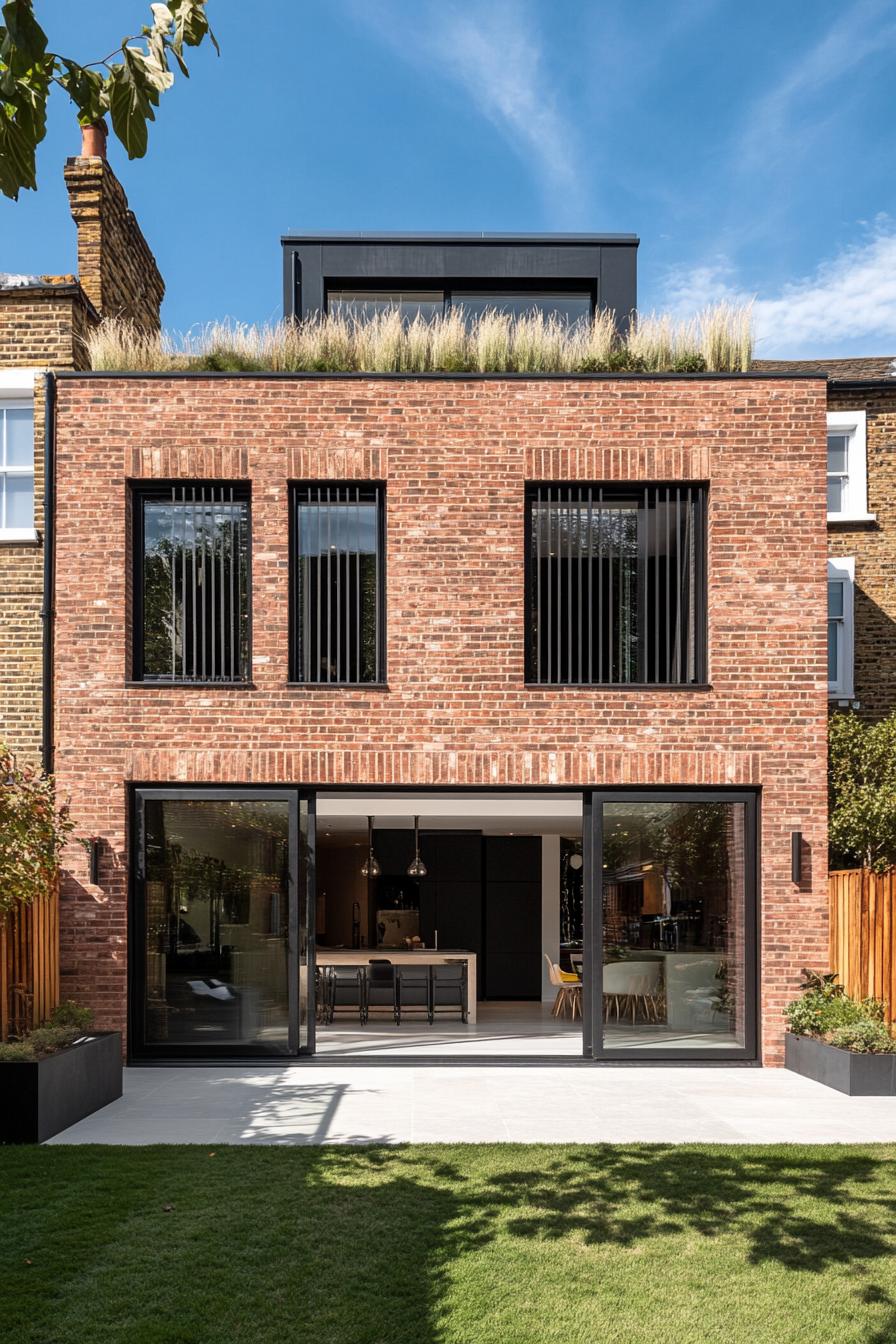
x=126 y=84
x=862 y=788
x=34 y=830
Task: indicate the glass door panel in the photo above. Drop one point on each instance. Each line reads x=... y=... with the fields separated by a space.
x=218 y=925
x=672 y=929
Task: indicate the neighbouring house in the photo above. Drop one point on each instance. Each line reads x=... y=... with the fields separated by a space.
x=861 y=529
x=43 y=323
x=449 y=715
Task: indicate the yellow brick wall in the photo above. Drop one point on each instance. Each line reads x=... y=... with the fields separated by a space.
x=874 y=547
x=40 y=327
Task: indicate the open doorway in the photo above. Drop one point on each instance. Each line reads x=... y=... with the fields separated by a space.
x=449 y=924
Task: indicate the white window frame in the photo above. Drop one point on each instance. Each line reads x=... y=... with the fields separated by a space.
x=855 y=494
x=844 y=571
x=17 y=392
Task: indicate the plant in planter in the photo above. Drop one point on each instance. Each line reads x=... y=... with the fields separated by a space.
x=56 y=1074
x=838 y=1040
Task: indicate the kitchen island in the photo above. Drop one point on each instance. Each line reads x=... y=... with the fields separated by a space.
x=403 y=956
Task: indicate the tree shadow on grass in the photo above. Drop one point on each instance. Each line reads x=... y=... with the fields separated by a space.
x=623 y=1195
x=371 y=1245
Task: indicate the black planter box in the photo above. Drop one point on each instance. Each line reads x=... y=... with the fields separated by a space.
x=41 y=1097
x=856 y=1075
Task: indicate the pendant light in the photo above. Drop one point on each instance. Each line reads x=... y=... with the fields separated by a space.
x=417 y=868
x=371 y=868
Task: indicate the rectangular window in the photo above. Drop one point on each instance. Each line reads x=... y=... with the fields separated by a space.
x=364 y=304
x=841 y=576
x=616 y=584
x=847 y=467
x=569 y=308
x=16 y=469
x=337 y=583
x=192 y=583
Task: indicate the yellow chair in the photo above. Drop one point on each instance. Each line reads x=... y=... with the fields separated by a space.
x=568 y=987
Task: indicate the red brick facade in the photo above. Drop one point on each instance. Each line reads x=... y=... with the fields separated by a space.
x=455 y=455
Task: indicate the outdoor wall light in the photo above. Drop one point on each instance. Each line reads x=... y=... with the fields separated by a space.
x=417 y=868
x=93 y=853
x=796 y=856
x=370 y=868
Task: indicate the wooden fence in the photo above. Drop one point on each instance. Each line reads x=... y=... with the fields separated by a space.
x=863 y=927
x=29 y=965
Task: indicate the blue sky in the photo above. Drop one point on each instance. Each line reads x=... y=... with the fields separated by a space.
x=751 y=147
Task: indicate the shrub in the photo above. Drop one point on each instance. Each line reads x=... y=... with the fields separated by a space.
x=824 y=1007
x=70 y=1014
x=38 y=1044
x=62 y=1028
x=864 y=1038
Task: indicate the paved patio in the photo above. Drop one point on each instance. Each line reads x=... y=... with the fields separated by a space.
x=405 y=1104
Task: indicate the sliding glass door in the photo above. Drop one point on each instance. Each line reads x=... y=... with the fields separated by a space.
x=221 y=943
x=671 y=925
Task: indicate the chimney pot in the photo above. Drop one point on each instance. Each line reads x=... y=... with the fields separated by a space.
x=93 y=140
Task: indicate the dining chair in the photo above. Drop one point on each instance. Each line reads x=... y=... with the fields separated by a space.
x=568 y=990
x=636 y=982
x=344 y=987
x=414 y=990
x=449 y=988
x=382 y=986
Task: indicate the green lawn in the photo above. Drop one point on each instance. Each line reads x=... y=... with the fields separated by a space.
x=460 y=1245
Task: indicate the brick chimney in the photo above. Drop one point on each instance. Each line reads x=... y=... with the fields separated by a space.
x=116 y=268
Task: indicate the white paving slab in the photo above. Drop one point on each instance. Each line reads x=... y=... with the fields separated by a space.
x=336 y=1104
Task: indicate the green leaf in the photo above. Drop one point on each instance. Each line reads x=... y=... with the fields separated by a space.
x=86 y=88
x=129 y=110
x=24 y=31
x=191 y=24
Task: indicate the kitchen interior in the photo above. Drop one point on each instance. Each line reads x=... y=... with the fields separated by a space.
x=443 y=921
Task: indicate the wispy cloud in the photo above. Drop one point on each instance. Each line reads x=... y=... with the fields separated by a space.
x=847 y=306
x=494 y=53
x=794 y=111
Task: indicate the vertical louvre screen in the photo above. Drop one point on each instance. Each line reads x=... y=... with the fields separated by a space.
x=615 y=584
x=195 y=584
x=337 y=599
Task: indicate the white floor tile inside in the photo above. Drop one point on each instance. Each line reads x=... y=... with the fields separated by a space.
x=333 y=1103
x=502 y=1029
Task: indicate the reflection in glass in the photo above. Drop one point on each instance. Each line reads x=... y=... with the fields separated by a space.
x=336 y=616
x=195 y=577
x=614 y=584
x=365 y=304
x=673 y=925
x=571 y=309
x=217 y=925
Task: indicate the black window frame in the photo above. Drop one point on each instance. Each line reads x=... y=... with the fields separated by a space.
x=448 y=288
x=141 y=491
x=379 y=487
x=637 y=492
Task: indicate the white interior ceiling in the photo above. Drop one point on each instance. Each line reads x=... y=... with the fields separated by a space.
x=492 y=813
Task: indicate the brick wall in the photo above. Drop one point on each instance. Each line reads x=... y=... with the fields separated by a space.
x=874 y=548
x=455 y=455
x=116 y=268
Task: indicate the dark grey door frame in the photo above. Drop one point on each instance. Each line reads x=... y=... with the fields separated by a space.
x=295 y=798
x=592 y=966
